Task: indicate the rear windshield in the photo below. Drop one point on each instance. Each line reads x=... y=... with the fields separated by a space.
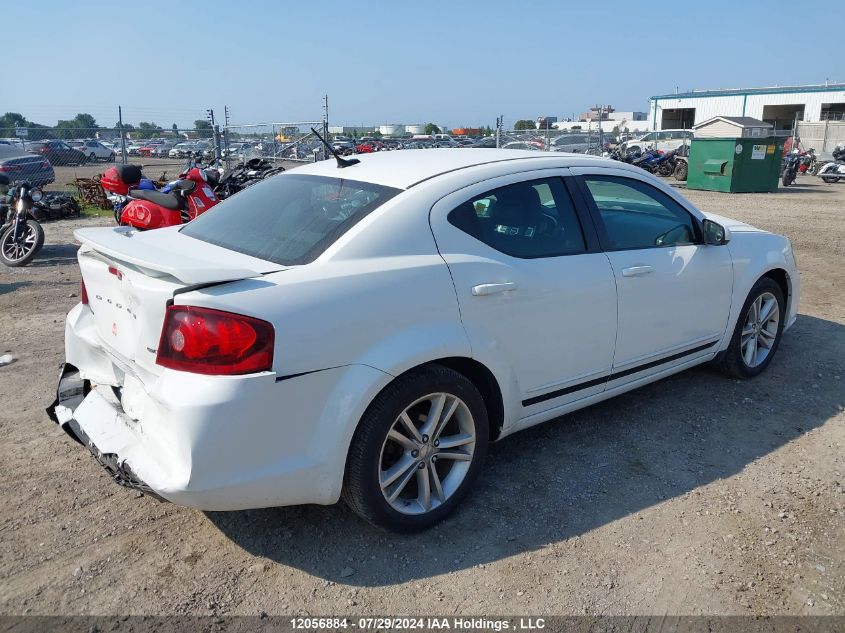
x=288 y=219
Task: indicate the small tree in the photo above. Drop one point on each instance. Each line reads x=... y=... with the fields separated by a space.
x=203 y=128
x=525 y=124
x=430 y=129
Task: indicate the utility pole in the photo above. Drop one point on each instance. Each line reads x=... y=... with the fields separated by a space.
x=325 y=125
x=499 y=123
x=122 y=135
x=215 y=134
x=226 y=132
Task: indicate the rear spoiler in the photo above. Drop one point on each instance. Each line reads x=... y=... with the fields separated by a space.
x=168 y=252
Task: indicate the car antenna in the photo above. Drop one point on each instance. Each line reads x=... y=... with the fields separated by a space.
x=341 y=162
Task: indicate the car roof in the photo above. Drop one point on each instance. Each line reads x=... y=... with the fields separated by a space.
x=404 y=169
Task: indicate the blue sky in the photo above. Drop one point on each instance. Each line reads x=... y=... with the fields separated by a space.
x=452 y=63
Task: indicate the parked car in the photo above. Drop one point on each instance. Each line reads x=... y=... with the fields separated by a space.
x=576 y=143
x=364 y=332
x=663 y=141
x=523 y=145
x=163 y=150
x=95 y=150
x=20 y=166
x=57 y=152
x=488 y=141
x=182 y=150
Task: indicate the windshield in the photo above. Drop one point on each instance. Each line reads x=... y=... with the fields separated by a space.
x=288 y=219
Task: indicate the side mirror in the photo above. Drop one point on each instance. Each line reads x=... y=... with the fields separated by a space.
x=714 y=234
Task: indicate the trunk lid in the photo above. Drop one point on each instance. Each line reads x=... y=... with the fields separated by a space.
x=131 y=276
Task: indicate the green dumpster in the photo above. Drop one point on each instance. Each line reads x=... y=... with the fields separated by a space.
x=735 y=165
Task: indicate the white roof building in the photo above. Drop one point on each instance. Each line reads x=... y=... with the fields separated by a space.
x=778 y=105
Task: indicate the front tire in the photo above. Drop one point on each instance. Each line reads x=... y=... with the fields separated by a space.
x=417 y=451
x=830 y=179
x=681 y=171
x=15 y=254
x=758 y=331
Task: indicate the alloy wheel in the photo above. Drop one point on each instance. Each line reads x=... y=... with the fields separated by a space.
x=16 y=250
x=427 y=453
x=760 y=329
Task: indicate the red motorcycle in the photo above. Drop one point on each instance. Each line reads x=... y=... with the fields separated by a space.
x=137 y=203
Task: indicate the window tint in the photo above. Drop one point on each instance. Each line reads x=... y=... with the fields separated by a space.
x=637 y=215
x=527 y=219
x=288 y=219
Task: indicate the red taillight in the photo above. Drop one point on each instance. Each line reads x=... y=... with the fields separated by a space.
x=206 y=341
x=83 y=293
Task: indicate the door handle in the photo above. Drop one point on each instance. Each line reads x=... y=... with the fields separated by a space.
x=482 y=290
x=636 y=271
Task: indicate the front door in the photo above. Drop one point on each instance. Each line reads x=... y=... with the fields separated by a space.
x=536 y=294
x=674 y=291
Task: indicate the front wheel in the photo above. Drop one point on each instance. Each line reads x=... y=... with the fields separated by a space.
x=788 y=178
x=20 y=252
x=758 y=331
x=417 y=450
x=681 y=171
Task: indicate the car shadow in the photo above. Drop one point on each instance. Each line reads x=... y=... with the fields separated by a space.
x=11 y=286
x=577 y=473
x=55 y=255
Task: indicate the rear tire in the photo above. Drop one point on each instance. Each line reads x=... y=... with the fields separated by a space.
x=739 y=360
x=401 y=478
x=830 y=179
x=10 y=253
x=681 y=170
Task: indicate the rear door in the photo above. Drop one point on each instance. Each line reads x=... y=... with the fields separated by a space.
x=674 y=291
x=536 y=294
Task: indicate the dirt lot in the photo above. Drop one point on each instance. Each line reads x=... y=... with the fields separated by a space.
x=697 y=494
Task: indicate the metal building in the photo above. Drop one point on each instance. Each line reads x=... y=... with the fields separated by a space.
x=779 y=106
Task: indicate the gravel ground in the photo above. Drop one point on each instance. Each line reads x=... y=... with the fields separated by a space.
x=697 y=494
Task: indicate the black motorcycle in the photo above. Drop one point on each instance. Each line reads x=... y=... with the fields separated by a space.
x=21 y=236
x=245 y=175
x=789 y=168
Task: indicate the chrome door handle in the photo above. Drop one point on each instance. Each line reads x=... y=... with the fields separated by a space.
x=482 y=290
x=636 y=271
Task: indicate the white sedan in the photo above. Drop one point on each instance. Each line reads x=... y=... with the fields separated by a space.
x=364 y=332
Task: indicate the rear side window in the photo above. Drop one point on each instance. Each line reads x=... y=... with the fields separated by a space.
x=528 y=219
x=289 y=219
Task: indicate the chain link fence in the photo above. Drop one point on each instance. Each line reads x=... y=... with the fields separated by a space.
x=271 y=141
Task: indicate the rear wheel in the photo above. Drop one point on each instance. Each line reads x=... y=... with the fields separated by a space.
x=758 y=331
x=20 y=252
x=830 y=179
x=92 y=157
x=681 y=170
x=417 y=450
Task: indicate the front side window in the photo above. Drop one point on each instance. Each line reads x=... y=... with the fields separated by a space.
x=527 y=219
x=637 y=215
x=289 y=219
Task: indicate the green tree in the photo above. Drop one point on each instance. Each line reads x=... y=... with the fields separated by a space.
x=149 y=129
x=175 y=129
x=203 y=128
x=12 y=120
x=82 y=124
x=430 y=129
x=525 y=124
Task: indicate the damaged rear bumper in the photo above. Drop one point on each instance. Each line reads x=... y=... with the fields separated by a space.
x=70 y=393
